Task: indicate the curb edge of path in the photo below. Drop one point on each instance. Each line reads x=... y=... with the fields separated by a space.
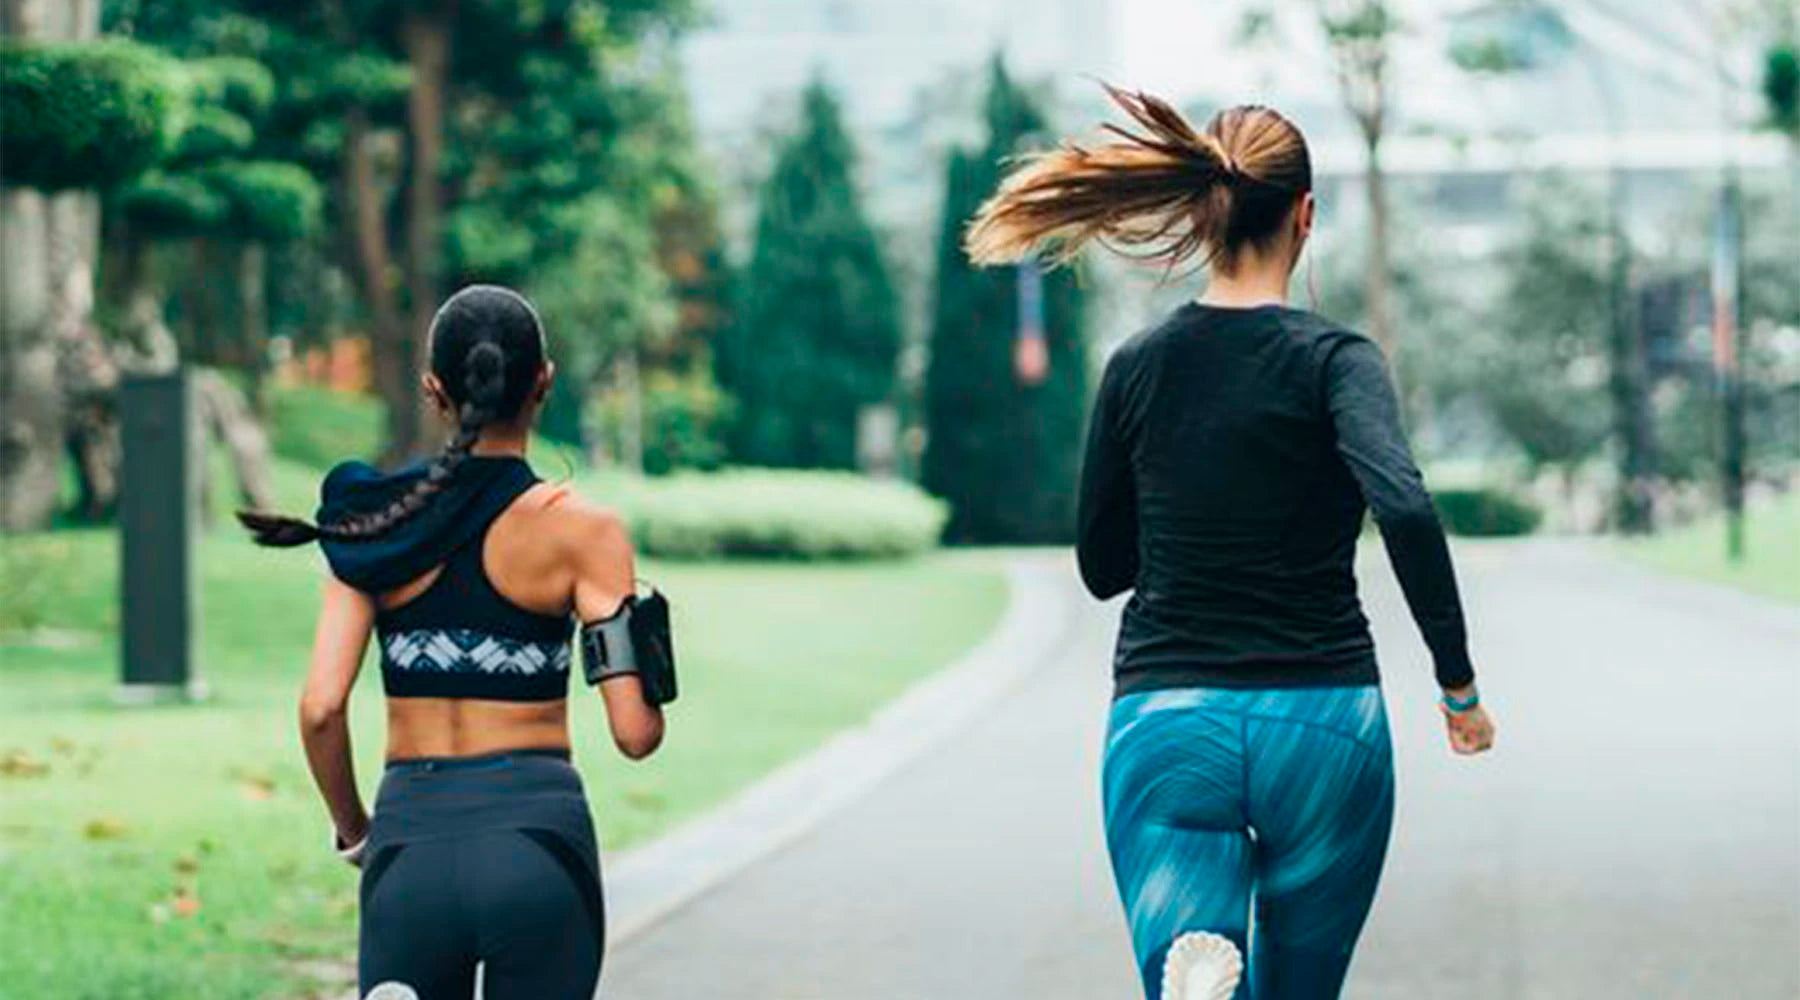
x=648 y=883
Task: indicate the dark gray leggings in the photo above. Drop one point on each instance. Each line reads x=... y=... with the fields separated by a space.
x=488 y=860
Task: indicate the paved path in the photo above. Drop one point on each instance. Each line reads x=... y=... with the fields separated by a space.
x=1635 y=835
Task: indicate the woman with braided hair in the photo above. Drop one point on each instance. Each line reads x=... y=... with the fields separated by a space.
x=1233 y=450
x=470 y=572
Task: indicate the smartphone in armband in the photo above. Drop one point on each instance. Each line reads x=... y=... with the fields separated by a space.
x=635 y=639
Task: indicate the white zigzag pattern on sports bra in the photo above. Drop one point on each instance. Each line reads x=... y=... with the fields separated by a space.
x=461 y=650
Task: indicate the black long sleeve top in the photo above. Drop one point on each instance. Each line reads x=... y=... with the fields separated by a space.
x=1231 y=456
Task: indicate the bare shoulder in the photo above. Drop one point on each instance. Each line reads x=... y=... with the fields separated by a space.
x=576 y=524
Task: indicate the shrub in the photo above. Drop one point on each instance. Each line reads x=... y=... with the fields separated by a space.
x=320 y=428
x=1486 y=513
x=316 y=428
x=270 y=200
x=171 y=205
x=780 y=514
x=30 y=565
x=212 y=132
x=84 y=115
x=244 y=86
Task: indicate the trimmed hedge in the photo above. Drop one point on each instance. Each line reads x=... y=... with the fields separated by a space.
x=779 y=513
x=171 y=205
x=742 y=512
x=85 y=115
x=1486 y=513
x=353 y=81
x=243 y=86
x=270 y=200
x=213 y=132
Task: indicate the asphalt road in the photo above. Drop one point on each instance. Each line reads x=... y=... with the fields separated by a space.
x=1635 y=833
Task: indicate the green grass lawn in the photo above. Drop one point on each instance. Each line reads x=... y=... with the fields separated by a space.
x=180 y=851
x=1771 y=564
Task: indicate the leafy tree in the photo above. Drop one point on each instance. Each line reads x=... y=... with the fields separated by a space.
x=820 y=328
x=199 y=185
x=1003 y=449
x=1542 y=363
x=80 y=117
x=599 y=303
x=1781 y=88
x=454 y=135
x=211 y=189
x=1360 y=35
x=84 y=116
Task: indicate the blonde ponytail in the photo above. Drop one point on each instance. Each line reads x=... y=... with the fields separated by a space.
x=1166 y=194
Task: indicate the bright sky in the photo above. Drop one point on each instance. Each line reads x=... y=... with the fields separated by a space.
x=1186 y=48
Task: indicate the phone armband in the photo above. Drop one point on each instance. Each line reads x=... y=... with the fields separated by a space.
x=635 y=639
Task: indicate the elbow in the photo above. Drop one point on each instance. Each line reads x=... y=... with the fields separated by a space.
x=1104 y=587
x=320 y=713
x=641 y=740
x=1412 y=514
x=1104 y=574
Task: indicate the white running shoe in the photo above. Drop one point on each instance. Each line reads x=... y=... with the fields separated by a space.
x=1201 y=966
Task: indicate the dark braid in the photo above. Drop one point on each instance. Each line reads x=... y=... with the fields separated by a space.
x=502 y=351
x=485 y=365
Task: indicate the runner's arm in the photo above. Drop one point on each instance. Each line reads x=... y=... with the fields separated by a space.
x=346 y=618
x=1106 y=544
x=1372 y=443
x=606 y=574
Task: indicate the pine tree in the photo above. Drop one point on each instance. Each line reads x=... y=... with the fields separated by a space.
x=819 y=329
x=1004 y=450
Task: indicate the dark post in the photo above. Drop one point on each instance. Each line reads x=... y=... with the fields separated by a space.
x=1629 y=378
x=158 y=505
x=1728 y=359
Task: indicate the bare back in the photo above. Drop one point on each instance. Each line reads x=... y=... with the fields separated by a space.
x=531 y=559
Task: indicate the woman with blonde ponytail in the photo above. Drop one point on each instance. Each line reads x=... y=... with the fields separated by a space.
x=470 y=573
x=1233 y=451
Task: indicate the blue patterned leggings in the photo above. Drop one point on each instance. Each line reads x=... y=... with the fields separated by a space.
x=1212 y=793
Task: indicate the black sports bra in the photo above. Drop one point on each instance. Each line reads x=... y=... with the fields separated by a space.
x=461 y=638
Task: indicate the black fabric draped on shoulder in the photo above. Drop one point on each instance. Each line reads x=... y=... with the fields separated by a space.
x=479 y=490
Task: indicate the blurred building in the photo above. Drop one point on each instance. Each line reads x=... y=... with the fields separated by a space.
x=1661 y=91
x=911 y=77
x=1629 y=85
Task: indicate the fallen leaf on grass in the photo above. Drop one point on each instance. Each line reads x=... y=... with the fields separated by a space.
x=255 y=785
x=644 y=799
x=21 y=764
x=104 y=828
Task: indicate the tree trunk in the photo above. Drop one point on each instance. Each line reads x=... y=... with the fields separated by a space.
x=253 y=310
x=394 y=374
x=425 y=34
x=1629 y=378
x=152 y=345
x=31 y=405
x=207 y=345
x=1377 y=277
x=86 y=374
x=48 y=293
x=227 y=417
x=627 y=381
